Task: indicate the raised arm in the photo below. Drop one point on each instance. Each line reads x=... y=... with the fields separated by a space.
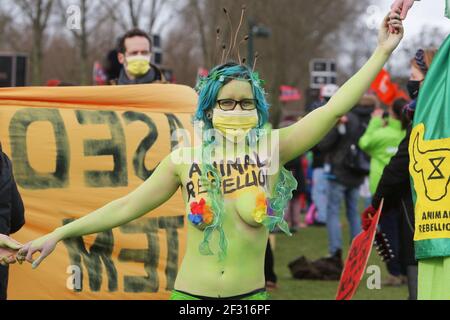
x=302 y=136
x=163 y=183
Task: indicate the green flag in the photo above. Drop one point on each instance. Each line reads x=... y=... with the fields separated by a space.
x=447 y=8
x=429 y=152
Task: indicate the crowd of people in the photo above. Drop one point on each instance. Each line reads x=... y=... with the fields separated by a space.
x=354 y=143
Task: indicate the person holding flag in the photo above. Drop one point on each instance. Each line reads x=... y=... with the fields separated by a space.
x=428 y=164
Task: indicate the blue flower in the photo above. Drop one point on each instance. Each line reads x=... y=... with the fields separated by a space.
x=195 y=219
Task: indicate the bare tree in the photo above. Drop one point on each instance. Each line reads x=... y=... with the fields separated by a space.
x=143 y=14
x=37 y=13
x=5 y=22
x=92 y=17
x=300 y=31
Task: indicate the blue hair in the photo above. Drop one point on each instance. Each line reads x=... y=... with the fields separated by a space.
x=209 y=87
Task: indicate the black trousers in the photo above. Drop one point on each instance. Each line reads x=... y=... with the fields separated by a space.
x=3 y=282
x=269 y=265
x=397 y=222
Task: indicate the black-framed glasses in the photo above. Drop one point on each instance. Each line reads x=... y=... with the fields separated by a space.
x=230 y=104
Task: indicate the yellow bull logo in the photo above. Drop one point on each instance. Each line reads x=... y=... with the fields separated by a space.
x=430 y=164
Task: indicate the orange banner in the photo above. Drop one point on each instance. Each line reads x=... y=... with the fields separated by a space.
x=75 y=149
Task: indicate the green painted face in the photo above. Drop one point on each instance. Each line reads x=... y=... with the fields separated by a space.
x=234 y=120
x=236 y=90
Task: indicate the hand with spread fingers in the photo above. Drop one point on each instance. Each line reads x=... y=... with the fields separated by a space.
x=8 y=250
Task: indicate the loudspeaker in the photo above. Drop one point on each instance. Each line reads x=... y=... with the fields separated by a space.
x=13 y=70
x=157 y=58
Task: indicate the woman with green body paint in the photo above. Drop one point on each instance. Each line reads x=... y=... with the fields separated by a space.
x=230 y=207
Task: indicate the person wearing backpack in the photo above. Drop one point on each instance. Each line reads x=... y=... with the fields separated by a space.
x=346 y=167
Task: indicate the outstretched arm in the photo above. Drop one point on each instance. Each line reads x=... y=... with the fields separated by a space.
x=302 y=136
x=163 y=183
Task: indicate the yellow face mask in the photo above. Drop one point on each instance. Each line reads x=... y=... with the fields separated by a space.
x=235 y=124
x=138 y=66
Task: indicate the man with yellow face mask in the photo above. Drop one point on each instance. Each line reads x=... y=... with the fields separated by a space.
x=135 y=56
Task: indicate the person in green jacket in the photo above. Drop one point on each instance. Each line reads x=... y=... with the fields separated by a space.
x=381 y=140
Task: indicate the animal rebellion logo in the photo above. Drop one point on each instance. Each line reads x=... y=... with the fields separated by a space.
x=431 y=160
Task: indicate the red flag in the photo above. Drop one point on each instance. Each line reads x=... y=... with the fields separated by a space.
x=288 y=94
x=356 y=262
x=384 y=87
x=401 y=94
x=99 y=75
x=202 y=72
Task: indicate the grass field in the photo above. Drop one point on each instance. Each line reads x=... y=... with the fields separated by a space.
x=312 y=242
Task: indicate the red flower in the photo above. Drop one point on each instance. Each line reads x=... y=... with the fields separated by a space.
x=198 y=208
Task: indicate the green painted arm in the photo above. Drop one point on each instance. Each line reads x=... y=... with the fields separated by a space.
x=302 y=136
x=156 y=190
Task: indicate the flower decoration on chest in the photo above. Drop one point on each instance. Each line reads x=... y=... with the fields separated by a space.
x=201 y=214
x=262 y=209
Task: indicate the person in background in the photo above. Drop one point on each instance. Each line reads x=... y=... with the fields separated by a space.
x=293 y=210
x=11 y=220
x=319 y=192
x=380 y=142
x=395 y=186
x=112 y=67
x=134 y=54
x=343 y=178
x=269 y=268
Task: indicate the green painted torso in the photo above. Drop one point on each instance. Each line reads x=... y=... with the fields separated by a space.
x=242 y=270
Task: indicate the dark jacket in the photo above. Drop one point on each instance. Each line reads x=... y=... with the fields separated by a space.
x=295 y=166
x=395 y=188
x=11 y=211
x=337 y=145
x=153 y=75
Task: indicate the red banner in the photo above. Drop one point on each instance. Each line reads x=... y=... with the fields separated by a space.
x=289 y=94
x=202 y=72
x=357 y=258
